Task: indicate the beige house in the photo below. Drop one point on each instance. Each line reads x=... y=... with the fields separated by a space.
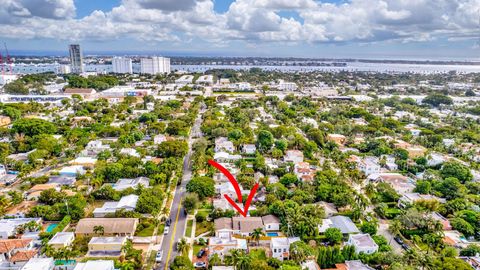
x=110 y=226
x=339 y=139
x=106 y=246
x=5 y=121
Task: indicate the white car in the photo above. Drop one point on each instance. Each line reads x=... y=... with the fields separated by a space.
x=166 y=230
x=159 y=256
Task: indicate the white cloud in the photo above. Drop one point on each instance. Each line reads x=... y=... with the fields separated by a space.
x=252 y=21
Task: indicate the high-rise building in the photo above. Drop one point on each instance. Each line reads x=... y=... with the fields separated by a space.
x=76 y=58
x=155 y=65
x=122 y=65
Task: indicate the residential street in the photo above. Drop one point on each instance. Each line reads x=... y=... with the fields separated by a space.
x=177 y=214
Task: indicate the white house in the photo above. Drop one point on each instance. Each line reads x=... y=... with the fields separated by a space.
x=435 y=159
x=223 y=144
x=62 y=239
x=39 y=264
x=343 y=223
x=72 y=171
x=362 y=243
x=8 y=227
x=158 y=139
x=97 y=265
x=222 y=246
x=294 y=156
x=226 y=157
x=280 y=247
x=130 y=152
x=271 y=223
x=369 y=165
x=249 y=149
x=124 y=183
x=129 y=203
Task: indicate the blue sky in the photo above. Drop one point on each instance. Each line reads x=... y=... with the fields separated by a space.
x=430 y=29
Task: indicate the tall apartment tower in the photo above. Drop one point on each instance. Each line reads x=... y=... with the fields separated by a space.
x=155 y=65
x=122 y=65
x=76 y=58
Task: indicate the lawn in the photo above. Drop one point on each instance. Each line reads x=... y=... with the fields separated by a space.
x=188 y=231
x=196 y=249
x=203 y=227
x=148 y=231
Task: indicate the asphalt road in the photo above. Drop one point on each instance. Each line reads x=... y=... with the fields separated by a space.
x=177 y=214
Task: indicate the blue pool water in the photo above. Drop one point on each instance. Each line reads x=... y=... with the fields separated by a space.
x=272 y=234
x=51 y=227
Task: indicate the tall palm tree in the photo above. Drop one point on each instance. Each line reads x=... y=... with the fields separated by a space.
x=183 y=247
x=215 y=260
x=257 y=234
x=234 y=255
x=96 y=182
x=395 y=227
x=243 y=262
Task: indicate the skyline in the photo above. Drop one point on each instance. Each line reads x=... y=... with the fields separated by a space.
x=370 y=29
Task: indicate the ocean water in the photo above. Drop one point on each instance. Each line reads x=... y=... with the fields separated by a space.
x=351 y=66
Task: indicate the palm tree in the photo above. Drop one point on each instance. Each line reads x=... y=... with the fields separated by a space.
x=395 y=228
x=235 y=254
x=215 y=260
x=257 y=234
x=48 y=250
x=243 y=262
x=183 y=246
x=96 y=182
x=98 y=229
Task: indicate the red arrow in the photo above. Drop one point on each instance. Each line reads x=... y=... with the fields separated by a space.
x=234 y=182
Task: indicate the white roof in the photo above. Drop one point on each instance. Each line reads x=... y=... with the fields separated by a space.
x=107 y=240
x=72 y=169
x=283 y=241
x=97 y=265
x=61 y=238
x=363 y=240
x=39 y=264
x=82 y=160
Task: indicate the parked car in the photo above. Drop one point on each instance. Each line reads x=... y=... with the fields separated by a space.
x=159 y=256
x=200 y=264
x=166 y=230
x=201 y=253
x=398 y=240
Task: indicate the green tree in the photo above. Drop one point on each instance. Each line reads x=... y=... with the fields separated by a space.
x=190 y=202
x=264 y=141
x=33 y=126
x=333 y=235
x=456 y=170
x=203 y=186
x=437 y=100
x=181 y=263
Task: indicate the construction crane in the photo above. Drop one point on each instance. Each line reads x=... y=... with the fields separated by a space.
x=8 y=61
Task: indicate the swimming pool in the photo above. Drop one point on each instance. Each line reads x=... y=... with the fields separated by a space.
x=272 y=234
x=51 y=227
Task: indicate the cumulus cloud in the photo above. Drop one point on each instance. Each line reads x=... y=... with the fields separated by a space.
x=167 y=5
x=252 y=21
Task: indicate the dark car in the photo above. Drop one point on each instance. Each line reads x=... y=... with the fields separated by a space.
x=201 y=253
x=398 y=240
x=405 y=246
